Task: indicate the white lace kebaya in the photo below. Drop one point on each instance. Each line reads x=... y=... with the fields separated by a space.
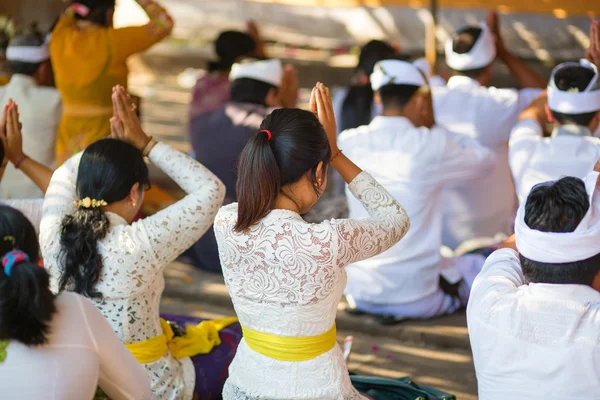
x=286 y=278
x=134 y=256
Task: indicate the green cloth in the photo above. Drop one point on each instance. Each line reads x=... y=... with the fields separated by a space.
x=3 y=346
x=397 y=389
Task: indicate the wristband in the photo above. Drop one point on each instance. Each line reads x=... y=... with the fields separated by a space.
x=336 y=155
x=149 y=146
x=20 y=161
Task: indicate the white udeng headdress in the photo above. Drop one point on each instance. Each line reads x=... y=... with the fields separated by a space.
x=268 y=71
x=28 y=54
x=396 y=72
x=575 y=102
x=482 y=54
x=557 y=248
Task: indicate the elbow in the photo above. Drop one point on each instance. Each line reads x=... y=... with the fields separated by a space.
x=220 y=191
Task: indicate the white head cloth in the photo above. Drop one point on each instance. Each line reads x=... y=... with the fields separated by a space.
x=482 y=54
x=556 y=248
x=396 y=72
x=268 y=71
x=28 y=54
x=575 y=102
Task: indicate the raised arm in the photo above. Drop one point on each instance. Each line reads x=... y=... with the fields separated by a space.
x=135 y=39
x=121 y=376
x=525 y=76
x=173 y=230
x=12 y=141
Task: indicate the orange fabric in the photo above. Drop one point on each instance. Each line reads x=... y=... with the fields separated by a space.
x=88 y=61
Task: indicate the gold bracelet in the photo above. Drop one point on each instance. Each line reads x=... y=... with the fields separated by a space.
x=149 y=147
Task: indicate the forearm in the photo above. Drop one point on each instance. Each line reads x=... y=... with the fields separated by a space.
x=344 y=166
x=160 y=19
x=38 y=173
x=525 y=76
x=537 y=110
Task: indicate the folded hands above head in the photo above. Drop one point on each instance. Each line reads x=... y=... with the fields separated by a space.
x=125 y=124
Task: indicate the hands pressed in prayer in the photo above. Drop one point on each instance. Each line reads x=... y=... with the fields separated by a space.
x=288 y=92
x=11 y=137
x=492 y=20
x=593 y=52
x=125 y=124
x=253 y=31
x=322 y=106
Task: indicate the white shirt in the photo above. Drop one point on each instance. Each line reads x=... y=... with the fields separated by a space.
x=535 y=159
x=30 y=208
x=135 y=256
x=40 y=111
x=286 y=278
x=486 y=206
x=536 y=341
x=82 y=352
x=414 y=165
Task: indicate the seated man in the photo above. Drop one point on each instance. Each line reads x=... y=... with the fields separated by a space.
x=573 y=103
x=414 y=160
x=534 y=313
x=218 y=137
x=486 y=206
x=40 y=109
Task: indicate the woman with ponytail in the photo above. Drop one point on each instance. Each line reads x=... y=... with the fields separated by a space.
x=89 y=57
x=91 y=247
x=286 y=276
x=62 y=341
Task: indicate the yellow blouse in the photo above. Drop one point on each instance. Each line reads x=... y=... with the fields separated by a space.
x=88 y=61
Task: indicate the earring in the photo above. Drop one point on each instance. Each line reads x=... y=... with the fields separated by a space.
x=133 y=204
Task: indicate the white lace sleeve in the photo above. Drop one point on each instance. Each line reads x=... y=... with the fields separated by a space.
x=176 y=228
x=361 y=239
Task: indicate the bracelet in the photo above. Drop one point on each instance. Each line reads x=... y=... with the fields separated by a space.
x=21 y=160
x=149 y=146
x=336 y=155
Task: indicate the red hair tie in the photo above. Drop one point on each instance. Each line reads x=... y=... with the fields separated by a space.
x=269 y=134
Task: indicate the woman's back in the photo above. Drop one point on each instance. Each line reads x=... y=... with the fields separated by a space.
x=78 y=354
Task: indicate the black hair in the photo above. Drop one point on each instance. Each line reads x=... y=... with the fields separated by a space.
x=396 y=96
x=107 y=171
x=25 y=68
x=357 y=106
x=246 y=90
x=98 y=10
x=574 y=77
x=230 y=46
x=559 y=207
x=26 y=302
x=299 y=143
x=462 y=42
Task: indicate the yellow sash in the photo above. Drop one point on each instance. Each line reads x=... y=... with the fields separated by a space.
x=289 y=348
x=199 y=339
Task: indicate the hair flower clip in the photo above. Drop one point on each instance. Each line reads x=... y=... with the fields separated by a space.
x=90 y=203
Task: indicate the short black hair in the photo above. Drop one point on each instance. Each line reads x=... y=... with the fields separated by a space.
x=246 y=90
x=462 y=42
x=25 y=68
x=397 y=96
x=559 y=207
x=573 y=78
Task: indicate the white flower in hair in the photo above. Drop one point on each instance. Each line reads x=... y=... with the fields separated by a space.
x=573 y=90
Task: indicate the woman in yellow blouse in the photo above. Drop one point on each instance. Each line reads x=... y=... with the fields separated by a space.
x=89 y=58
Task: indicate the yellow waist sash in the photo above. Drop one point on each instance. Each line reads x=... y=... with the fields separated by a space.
x=289 y=348
x=199 y=339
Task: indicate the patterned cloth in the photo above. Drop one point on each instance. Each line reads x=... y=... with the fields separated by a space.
x=210 y=93
x=135 y=256
x=211 y=369
x=286 y=278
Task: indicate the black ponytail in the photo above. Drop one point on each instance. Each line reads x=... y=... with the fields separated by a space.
x=108 y=170
x=26 y=302
x=298 y=144
x=357 y=106
x=98 y=10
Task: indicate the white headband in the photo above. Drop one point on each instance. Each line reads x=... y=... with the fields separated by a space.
x=396 y=72
x=557 y=248
x=482 y=54
x=268 y=71
x=574 y=102
x=28 y=54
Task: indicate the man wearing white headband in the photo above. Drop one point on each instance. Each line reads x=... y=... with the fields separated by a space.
x=40 y=108
x=573 y=104
x=534 y=312
x=218 y=137
x=414 y=159
x=485 y=206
